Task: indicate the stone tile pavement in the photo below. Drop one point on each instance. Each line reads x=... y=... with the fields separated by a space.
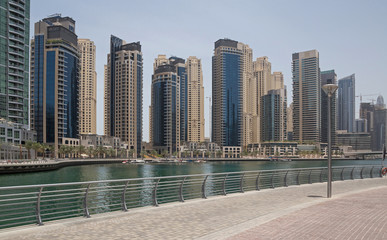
x=356 y=211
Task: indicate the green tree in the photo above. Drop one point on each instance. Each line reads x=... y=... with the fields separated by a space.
x=28 y=146
x=51 y=149
x=81 y=150
x=62 y=151
x=36 y=146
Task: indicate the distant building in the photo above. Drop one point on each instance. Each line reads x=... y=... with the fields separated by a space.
x=55 y=80
x=289 y=122
x=273 y=116
x=378 y=136
x=306 y=96
x=96 y=140
x=87 y=87
x=227 y=93
x=165 y=108
x=367 y=112
x=15 y=133
x=361 y=125
x=273 y=148
x=346 y=104
x=123 y=92
x=195 y=100
x=328 y=77
x=357 y=141
x=14 y=62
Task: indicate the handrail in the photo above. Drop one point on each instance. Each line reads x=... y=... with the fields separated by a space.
x=63 y=200
x=165 y=177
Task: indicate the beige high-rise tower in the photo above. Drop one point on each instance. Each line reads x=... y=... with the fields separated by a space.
x=123 y=93
x=87 y=87
x=260 y=86
x=195 y=98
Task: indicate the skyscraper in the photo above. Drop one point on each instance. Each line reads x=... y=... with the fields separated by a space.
x=54 y=80
x=273 y=114
x=14 y=60
x=195 y=100
x=165 y=115
x=306 y=96
x=261 y=85
x=227 y=92
x=328 y=77
x=346 y=104
x=123 y=92
x=87 y=87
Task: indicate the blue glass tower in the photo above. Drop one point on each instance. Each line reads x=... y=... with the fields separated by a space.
x=346 y=104
x=54 y=80
x=227 y=93
x=166 y=109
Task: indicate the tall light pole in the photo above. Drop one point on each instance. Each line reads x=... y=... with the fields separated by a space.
x=330 y=90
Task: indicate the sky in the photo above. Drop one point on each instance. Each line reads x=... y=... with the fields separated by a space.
x=350 y=35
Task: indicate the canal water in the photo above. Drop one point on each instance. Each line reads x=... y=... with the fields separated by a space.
x=125 y=171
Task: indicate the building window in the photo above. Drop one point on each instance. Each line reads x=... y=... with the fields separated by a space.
x=9 y=133
x=2 y=131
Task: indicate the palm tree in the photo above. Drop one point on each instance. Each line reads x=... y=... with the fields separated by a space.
x=51 y=149
x=143 y=153
x=90 y=151
x=219 y=153
x=111 y=152
x=131 y=152
x=100 y=150
x=28 y=146
x=62 y=150
x=81 y=150
x=36 y=147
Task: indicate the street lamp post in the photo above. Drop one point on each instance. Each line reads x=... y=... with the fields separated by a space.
x=330 y=90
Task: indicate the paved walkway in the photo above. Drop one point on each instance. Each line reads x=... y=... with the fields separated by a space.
x=356 y=211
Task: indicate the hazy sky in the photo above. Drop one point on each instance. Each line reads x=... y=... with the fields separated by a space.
x=351 y=35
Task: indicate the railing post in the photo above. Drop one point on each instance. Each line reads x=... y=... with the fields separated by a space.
x=155 y=203
x=241 y=183
x=286 y=179
x=372 y=172
x=352 y=173
x=85 y=207
x=310 y=177
x=361 y=173
x=181 y=190
x=37 y=210
x=342 y=174
x=271 y=180
x=257 y=181
x=123 y=198
x=321 y=172
x=298 y=177
x=204 y=187
x=224 y=185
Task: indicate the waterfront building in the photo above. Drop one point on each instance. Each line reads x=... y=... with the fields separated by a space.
x=87 y=87
x=262 y=84
x=14 y=60
x=306 y=96
x=123 y=92
x=346 y=104
x=97 y=140
x=195 y=100
x=273 y=148
x=15 y=133
x=54 y=80
x=289 y=122
x=165 y=107
x=181 y=72
x=273 y=116
x=227 y=92
x=328 y=77
x=355 y=141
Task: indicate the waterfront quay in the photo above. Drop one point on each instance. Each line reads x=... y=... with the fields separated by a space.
x=356 y=211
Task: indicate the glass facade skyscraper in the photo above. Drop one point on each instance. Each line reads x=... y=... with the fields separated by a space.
x=227 y=93
x=54 y=80
x=14 y=60
x=306 y=96
x=165 y=109
x=328 y=77
x=346 y=104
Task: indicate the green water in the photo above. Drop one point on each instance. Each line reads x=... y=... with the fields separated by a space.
x=125 y=171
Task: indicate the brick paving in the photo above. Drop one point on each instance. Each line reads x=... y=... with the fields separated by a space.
x=298 y=212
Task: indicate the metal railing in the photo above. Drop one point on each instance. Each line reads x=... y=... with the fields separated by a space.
x=30 y=204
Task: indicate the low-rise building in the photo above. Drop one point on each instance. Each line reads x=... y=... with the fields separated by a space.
x=95 y=140
x=273 y=148
x=15 y=133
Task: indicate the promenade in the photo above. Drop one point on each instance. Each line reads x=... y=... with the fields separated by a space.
x=356 y=211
